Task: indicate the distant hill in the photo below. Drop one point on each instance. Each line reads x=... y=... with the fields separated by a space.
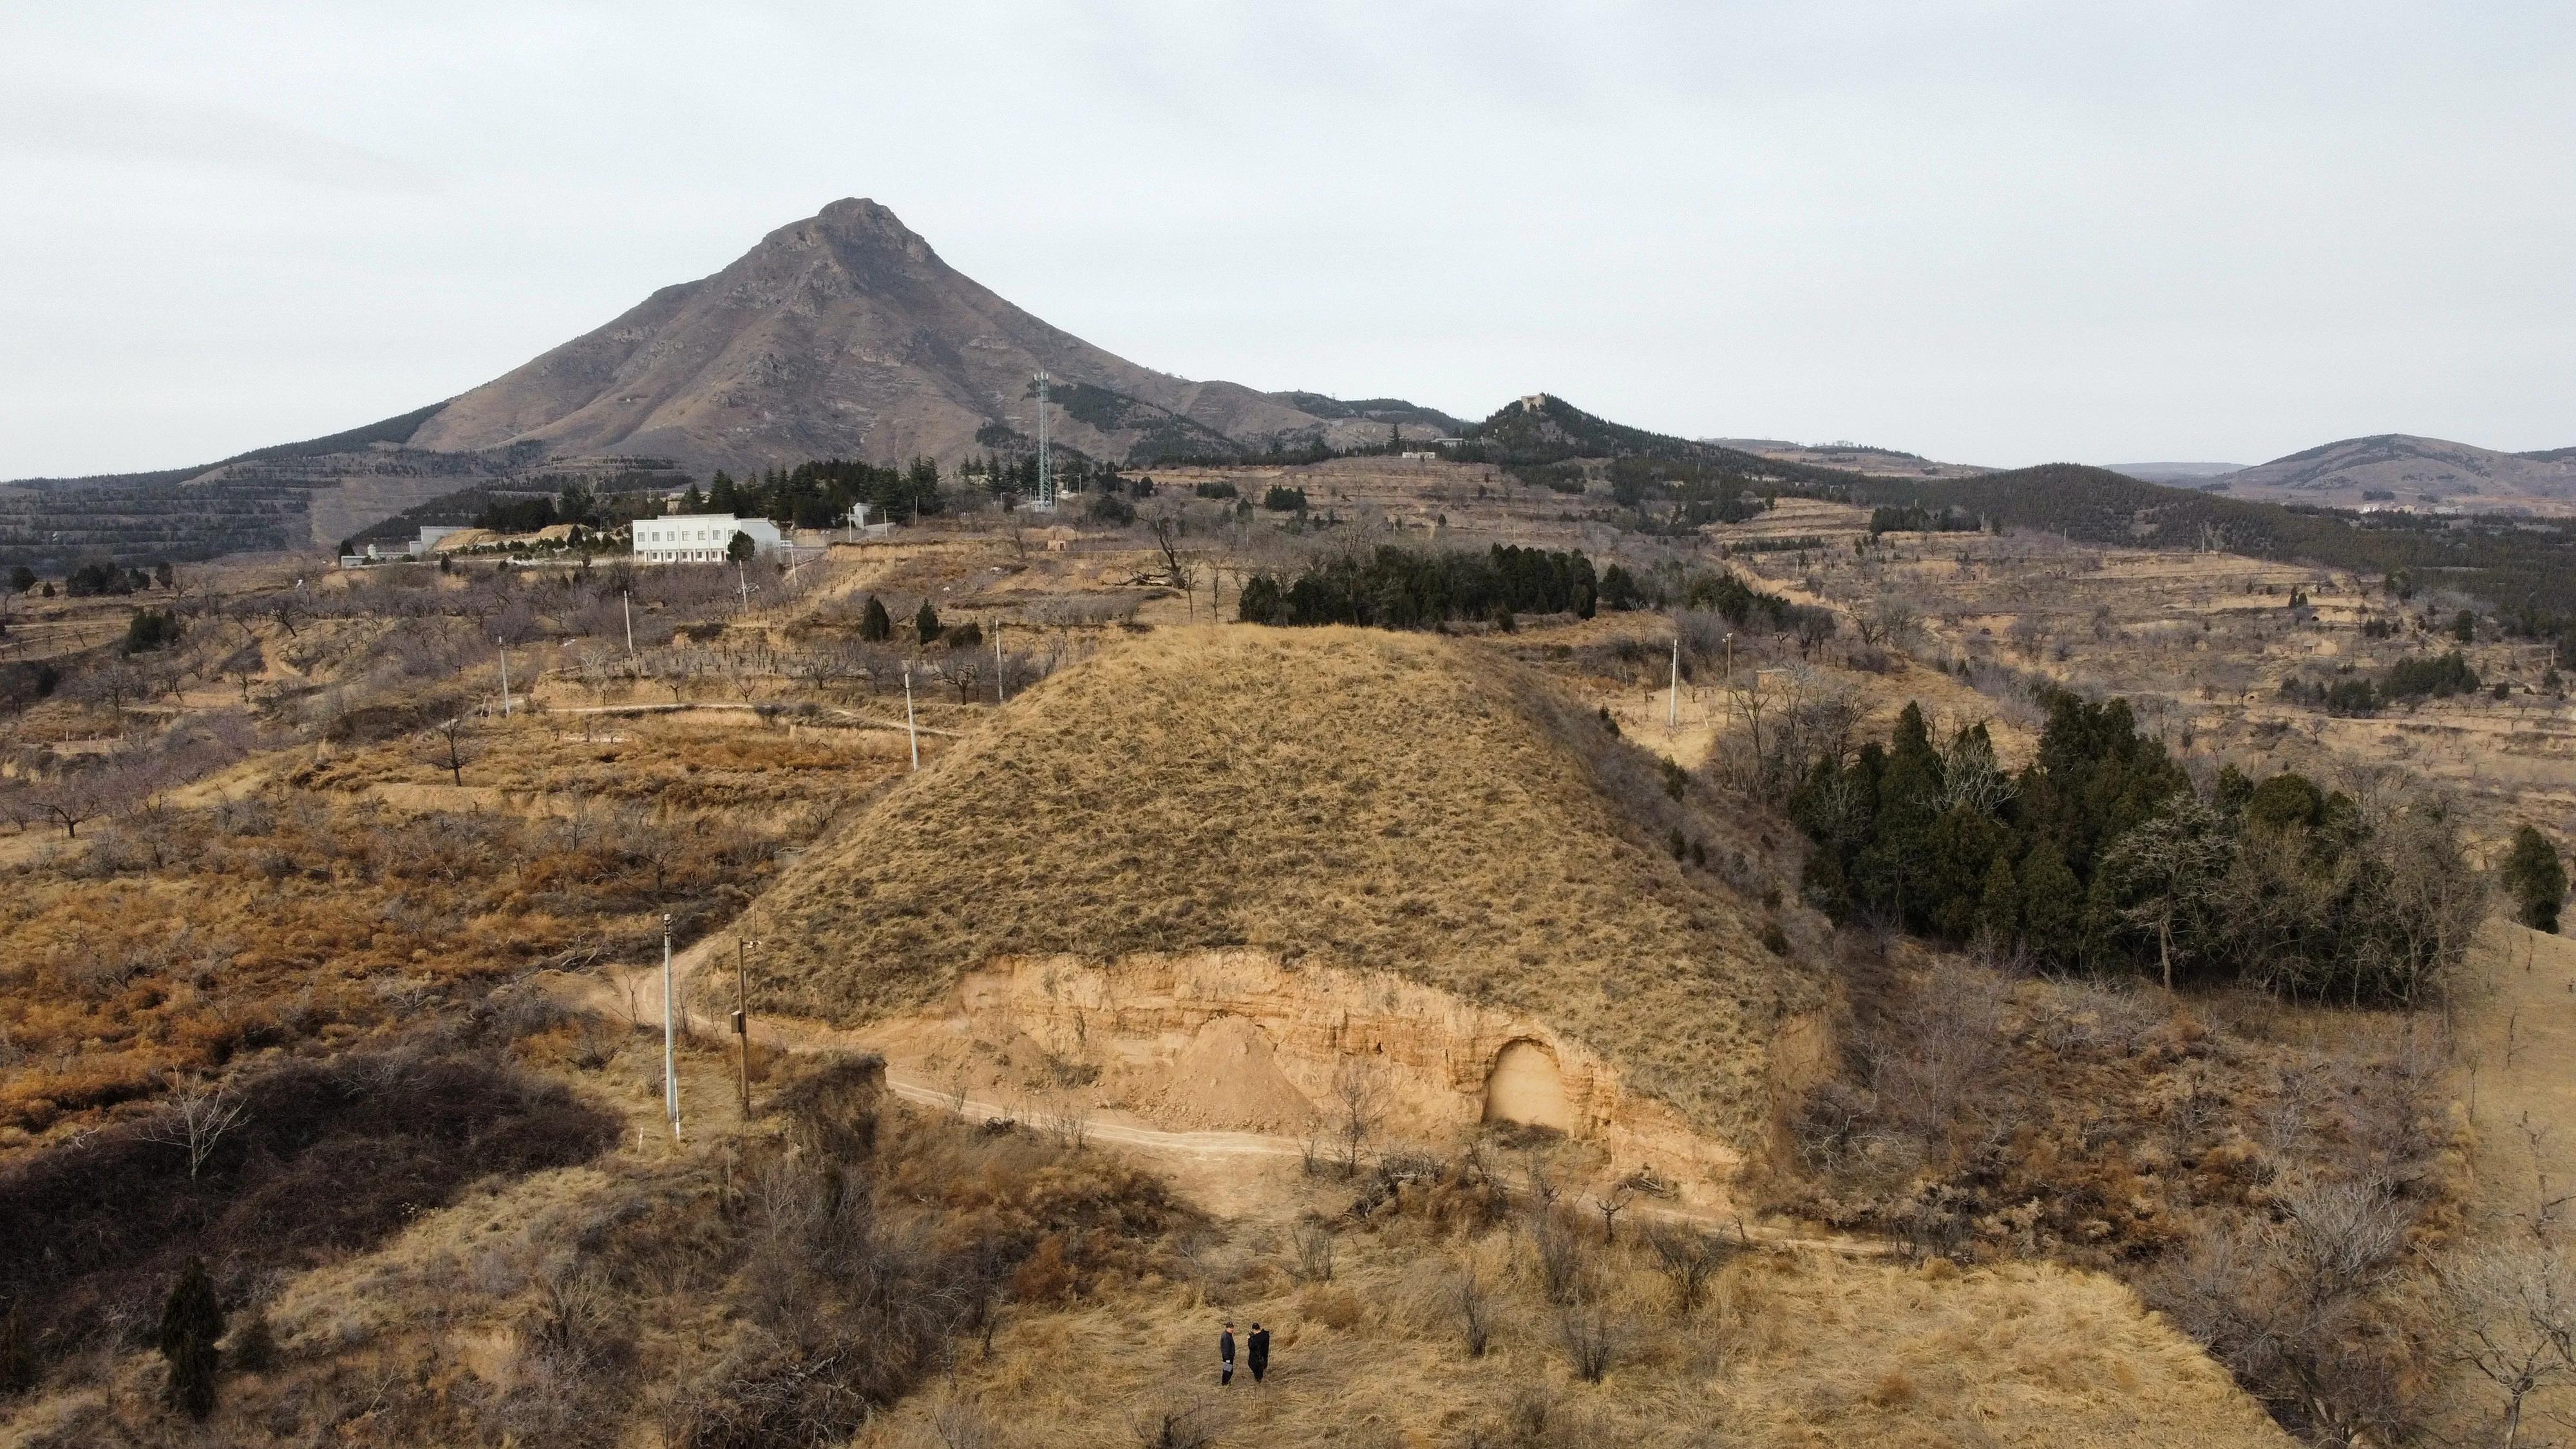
x=2186 y=474
x=1850 y=457
x=2401 y=470
x=1541 y=429
x=842 y=335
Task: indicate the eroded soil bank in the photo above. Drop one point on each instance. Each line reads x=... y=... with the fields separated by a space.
x=1233 y=1040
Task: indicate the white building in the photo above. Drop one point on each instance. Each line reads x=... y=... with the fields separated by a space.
x=700 y=537
x=430 y=534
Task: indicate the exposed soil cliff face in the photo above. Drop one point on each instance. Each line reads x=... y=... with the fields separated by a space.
x=1233 y=1039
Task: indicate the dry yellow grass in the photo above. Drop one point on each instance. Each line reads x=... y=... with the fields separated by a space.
x=1354 y=798
x=1797 y=1349
x=694 y=761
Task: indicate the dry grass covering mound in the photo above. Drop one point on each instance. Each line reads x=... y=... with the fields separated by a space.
x=1365 y=800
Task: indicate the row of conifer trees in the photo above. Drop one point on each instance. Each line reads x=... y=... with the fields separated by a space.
x=2100 y=854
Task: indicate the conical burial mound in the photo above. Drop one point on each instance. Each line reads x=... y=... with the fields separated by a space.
x=1353 y=798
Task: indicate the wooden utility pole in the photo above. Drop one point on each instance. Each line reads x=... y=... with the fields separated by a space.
x=742 y=1014
x=670 y=1049
x=997 y=664
x=626 y=601
x=1673 y=710
x=910 y=730
x=505 y=679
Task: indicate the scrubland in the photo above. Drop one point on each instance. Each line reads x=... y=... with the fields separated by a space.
x=282 y=897
x=1458 y=1307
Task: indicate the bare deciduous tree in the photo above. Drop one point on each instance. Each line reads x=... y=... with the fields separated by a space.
x=194 y=1123
x=1314 y=1243
x=1688 y=1257
x=2513 y=1319
x=1592 y=1334
x=451 y=745
x=1359 y=1101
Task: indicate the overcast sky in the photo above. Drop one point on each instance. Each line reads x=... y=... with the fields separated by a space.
x=1999 y=233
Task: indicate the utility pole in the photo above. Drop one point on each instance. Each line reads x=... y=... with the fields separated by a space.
x=997 y=664
x=1673 y=712
x=742 y=571
x=1730 y=661
x=626 y=601
x=742 y=1014
x=670 y=1047
x=505 y=679
x=910 y=731
x=1046 y=479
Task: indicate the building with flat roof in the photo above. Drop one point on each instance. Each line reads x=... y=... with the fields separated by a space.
x=700 y=537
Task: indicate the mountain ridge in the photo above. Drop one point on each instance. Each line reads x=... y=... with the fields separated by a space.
x=846 y=335
x=2412 y=471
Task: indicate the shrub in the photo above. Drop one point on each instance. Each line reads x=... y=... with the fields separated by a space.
x=875 y=626
x=1260 y=601
x=191 y=1322
x=1109 y=508
x=925 y=624
x=1284 y=500
x=2535 y=879
x=93 y=579
x=1216 y=490
x=150 y=629
x=2439 y=677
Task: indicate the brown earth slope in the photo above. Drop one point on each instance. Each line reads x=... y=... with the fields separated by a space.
x=1345 y=798
x=845 y=335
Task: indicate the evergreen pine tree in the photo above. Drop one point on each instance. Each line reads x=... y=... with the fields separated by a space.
x=875 y=626
x=191 y=1321
x=1258 y=601
x=1999 y=909
x=2052 y=905
x=2535 y=879
x=926 y=624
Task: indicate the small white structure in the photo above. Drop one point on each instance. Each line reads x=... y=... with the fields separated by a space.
x=430 y=534
x=861 y=528
x=700 y=537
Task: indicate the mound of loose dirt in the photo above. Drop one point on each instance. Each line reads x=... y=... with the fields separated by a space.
x=1361 y=799
x=1227 y=1077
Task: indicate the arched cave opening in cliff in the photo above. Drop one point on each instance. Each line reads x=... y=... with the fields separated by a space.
x=1526 y=1087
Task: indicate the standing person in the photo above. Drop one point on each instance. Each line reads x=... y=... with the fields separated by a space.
x=1225 y=1355
x=1257 y=1352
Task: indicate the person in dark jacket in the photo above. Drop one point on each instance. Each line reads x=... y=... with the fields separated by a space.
x=1257 y=1352
x=1225 y=1355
